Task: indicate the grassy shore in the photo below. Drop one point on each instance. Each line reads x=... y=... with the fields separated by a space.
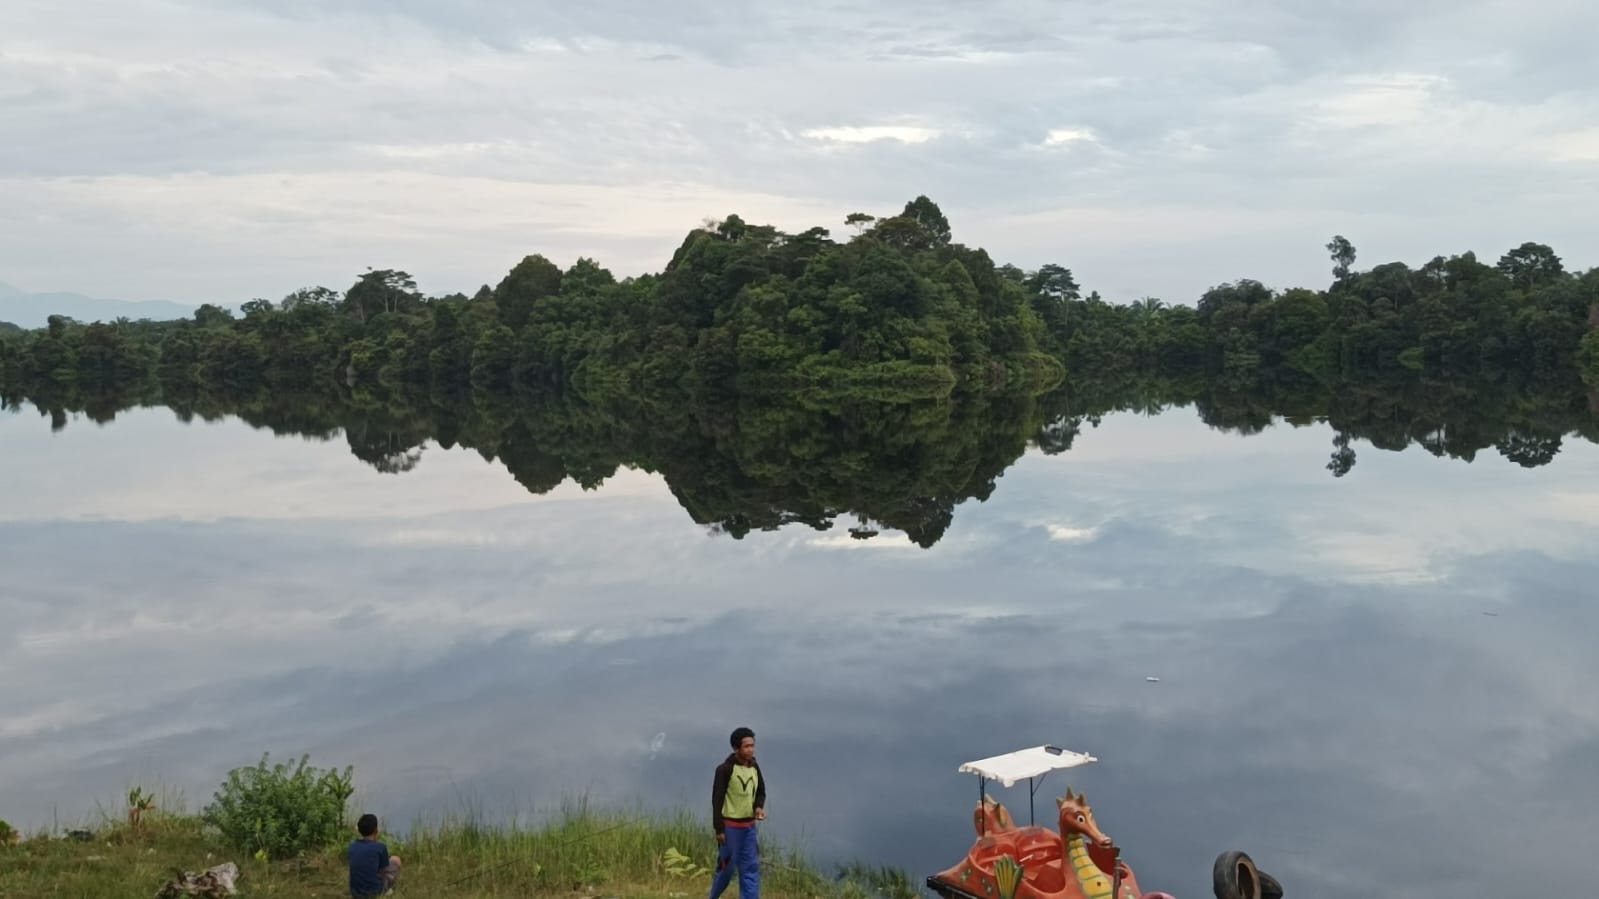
x=578 y=853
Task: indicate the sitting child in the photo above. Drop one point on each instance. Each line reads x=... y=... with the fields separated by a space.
x=372 y=869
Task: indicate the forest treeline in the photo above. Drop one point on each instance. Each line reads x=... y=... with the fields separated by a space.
x=898 y=305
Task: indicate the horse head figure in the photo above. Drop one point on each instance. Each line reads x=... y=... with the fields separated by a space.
x=991 y=817
x=1077 y=818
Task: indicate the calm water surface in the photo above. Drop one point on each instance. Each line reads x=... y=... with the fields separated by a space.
x=1376 y=684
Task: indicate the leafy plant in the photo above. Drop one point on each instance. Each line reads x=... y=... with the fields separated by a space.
x=8 y=834
x=590 y=871
x=281 y=810
x=679 y=865
x=139 y=802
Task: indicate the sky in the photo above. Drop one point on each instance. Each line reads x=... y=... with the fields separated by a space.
x=215 y=152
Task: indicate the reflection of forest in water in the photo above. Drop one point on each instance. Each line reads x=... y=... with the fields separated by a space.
x=740 y=463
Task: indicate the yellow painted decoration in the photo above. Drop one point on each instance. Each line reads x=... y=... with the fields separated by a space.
x=1007 y=873
x=1090 y=879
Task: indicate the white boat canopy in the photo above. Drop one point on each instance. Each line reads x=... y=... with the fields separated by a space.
x=1025 y=764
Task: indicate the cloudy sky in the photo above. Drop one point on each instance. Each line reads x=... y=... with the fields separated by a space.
x=162 y=149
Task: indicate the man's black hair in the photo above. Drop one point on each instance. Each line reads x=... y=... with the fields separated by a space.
x=367 y=825
x=739 y=735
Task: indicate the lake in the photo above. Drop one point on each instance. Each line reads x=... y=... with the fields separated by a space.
x=1374 y=684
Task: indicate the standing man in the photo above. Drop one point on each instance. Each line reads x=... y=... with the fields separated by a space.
x=738 y=800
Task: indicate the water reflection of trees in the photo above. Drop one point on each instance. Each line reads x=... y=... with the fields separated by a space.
x=739 y=464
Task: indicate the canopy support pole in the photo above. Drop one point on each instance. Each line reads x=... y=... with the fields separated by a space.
x=982 y=815
x=1032 y=790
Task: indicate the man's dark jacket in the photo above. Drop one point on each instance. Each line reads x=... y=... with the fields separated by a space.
x=724 y=772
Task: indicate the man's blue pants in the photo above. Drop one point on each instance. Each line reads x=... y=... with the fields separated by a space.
x=741 y=852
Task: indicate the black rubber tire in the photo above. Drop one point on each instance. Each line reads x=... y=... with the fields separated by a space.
x=1269 y=887
x=1234 y=876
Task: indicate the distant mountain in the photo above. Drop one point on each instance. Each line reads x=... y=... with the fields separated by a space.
x=33 y=310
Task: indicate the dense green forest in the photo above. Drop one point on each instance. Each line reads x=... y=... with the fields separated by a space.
x=776 y=379
x=898 y=305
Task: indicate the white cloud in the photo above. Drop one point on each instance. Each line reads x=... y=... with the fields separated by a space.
x=1067 y=534
x=440 y=151
x=324 y=226
x=295 y=479
x=1060 y=137
x=1575 y=506
x=49 y=717
x=1382 y=100
x=849 y=134
x=1576 y=146
x=847 y=542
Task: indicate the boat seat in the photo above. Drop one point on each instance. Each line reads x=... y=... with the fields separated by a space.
x=987 y=849
x=1046 y=878
x=1038 y=849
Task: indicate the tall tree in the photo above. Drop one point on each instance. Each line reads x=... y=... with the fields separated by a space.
x=534 y=278
x=926 y=213
x=381 y=290
x=1530 y=265
x=1343 y=256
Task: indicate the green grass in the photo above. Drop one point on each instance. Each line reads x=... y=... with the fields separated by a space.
x=578 y=853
